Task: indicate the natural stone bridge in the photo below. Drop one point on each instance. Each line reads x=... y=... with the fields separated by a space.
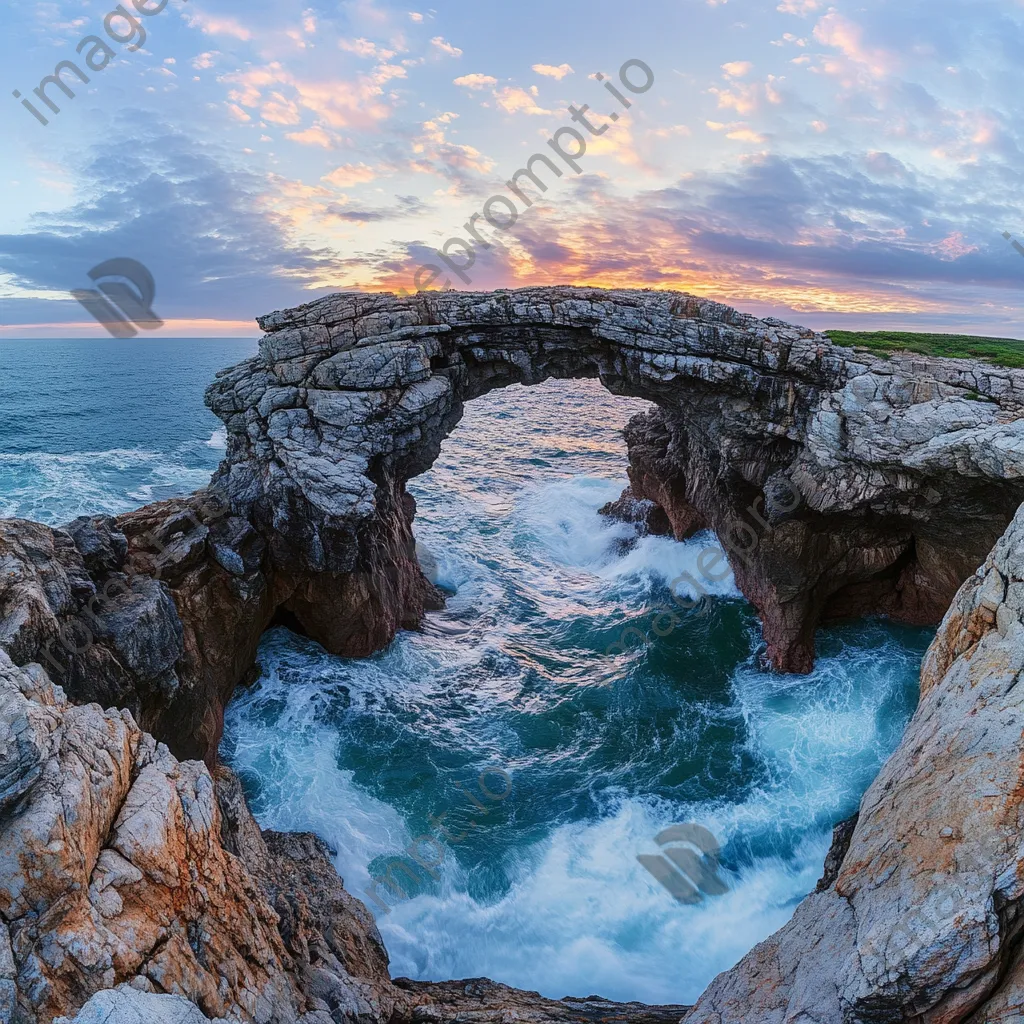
x=840 y=483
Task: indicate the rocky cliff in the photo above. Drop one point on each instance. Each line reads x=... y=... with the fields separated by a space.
x=134 y=885
x=924 y=917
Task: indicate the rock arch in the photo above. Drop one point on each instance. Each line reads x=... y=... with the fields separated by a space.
x=842 y=483
x=352 y=395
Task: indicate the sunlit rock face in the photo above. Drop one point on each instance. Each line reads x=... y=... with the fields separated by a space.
x=843 y=484
x=120 y=865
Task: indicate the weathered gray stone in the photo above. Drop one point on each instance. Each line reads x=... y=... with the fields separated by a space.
x=889 y=456
x=126 y=1005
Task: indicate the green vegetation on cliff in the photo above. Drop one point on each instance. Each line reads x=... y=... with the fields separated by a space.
x=999 y=351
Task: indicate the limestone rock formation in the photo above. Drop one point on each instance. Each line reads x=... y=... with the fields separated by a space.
x=840 y=481
x=119 y=866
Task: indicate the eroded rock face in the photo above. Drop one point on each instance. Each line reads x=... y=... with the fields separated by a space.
x=924 y=919
x=158 y=612
x=841 y=482
x=115 y=870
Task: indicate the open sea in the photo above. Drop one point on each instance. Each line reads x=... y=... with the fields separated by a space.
x=500 y=764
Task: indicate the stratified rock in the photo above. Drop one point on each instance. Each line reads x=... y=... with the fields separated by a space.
x=839 y=481
x=924 y=920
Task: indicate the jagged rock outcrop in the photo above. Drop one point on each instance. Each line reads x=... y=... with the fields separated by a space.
x=840 y=481
x=158 y=612
x=114 y=870
x=924 y=919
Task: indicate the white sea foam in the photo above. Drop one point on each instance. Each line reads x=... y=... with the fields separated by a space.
x=578 y=913
x=55 y=488
x=218 y=439
x=581 y=915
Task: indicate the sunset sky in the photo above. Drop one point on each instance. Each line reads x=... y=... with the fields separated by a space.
x=846 y=165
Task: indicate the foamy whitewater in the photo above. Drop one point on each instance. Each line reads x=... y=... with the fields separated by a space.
x=541 y=888
x=538 y=887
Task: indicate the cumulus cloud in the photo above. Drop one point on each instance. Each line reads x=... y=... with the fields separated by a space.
x=514 y=100
x=364 y=48
x=442 y=44
x=551 y=71
x=213 y=25
x=475 y=81
x=799 y=7
x=350 y=174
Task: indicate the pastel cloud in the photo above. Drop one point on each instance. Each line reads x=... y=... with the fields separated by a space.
x=442 y=44
x=551 y=71
x=213 y=25
x=799 y=7
x=475 y=81
x=338 y=103
x=514 y=100
x=350 y=174
x=364 y=48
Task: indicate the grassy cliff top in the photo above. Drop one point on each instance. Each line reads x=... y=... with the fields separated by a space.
x=998 y=351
